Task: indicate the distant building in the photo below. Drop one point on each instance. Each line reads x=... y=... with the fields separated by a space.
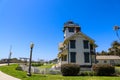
x=3 y=60
x=109 y=59
x=77 y=47
x=12 y=60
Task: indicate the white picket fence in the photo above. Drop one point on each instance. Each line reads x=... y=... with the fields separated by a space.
x=38 y=70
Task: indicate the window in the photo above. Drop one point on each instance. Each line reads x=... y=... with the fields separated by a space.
x=73 y=57
x=105 y=61
x=86 y=57
x=85 y=44
x=112 y=62
x=72 y=43
x=97 y=61
x=71 y=29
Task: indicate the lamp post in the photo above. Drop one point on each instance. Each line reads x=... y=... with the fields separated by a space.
x=30 y=59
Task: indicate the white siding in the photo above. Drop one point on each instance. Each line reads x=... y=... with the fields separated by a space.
x=67 y=33
x=80 y=51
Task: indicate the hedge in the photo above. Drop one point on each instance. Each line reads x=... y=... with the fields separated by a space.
x=70 y=69
x=104 y=69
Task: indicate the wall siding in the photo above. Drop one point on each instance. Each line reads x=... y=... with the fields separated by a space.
x=80 y=51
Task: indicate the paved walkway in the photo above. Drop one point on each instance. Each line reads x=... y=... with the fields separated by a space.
x=4 y=76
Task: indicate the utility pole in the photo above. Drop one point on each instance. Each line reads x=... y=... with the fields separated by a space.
x=9 y=57
x=116 y=28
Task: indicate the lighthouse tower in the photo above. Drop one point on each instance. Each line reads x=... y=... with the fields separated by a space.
x=70 y=28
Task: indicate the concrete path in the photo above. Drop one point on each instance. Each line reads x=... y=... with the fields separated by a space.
x=4 y=76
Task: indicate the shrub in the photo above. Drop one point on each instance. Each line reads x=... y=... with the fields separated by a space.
x=83 y=73
x=117 y=70
x=37 y=64
x=87 y=73
x=70 y=69
x=54 y=72
x=19 y=68
x=104 y=70
x=117 y=65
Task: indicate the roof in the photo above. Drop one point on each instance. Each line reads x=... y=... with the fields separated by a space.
x=107 y=57
x=71 y=24
x=79 y=33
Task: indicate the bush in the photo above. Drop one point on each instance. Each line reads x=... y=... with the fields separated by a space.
x=83 y=74
x=37 y=64
x=19 y=68
x=117 y=70
x=87 y=73
x=117 y=65
x=54 y=72
x=70 y=69
x=104 y=70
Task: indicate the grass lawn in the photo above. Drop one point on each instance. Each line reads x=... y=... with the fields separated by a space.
x=22 y=75
x=47 y=66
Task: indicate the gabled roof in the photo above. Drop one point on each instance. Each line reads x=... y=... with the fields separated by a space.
x=76 y=34
x=107 y=57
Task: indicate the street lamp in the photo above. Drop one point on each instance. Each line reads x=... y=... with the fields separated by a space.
x=29 y=69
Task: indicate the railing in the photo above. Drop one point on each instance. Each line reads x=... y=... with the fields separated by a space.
x=65 y=48
x=64 y=62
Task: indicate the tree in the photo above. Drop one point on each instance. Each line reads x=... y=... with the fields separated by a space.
x=115 y=48
x=103 y=53
x=54 y=60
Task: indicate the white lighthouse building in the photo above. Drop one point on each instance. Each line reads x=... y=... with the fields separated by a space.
x=77 y=47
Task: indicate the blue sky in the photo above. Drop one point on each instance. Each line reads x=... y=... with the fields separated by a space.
x=41 y=22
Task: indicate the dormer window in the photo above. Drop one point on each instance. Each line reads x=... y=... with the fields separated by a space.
x=71 y=29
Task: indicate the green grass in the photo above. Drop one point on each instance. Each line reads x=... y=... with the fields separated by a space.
x=22 y=75
x=11 y=71
x=47 y=66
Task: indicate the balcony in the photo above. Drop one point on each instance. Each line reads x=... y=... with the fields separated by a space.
x=60 y=46
x=64 y=62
